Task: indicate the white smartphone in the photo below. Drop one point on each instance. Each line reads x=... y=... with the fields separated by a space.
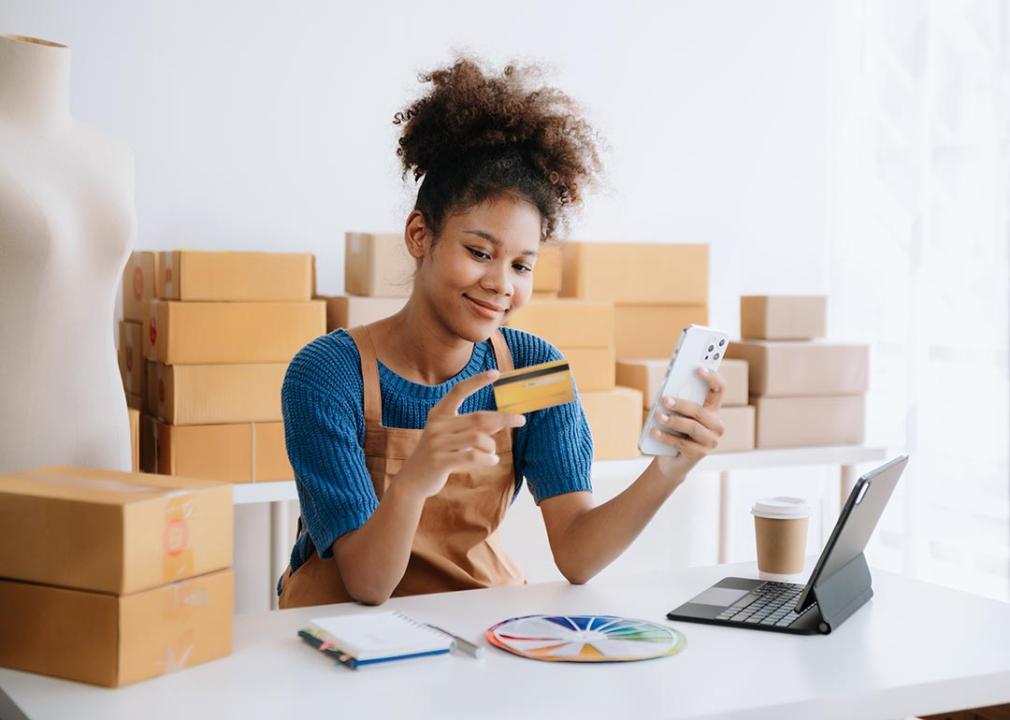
x=698 y=347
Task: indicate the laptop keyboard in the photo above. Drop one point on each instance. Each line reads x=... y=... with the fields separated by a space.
x=771 y=603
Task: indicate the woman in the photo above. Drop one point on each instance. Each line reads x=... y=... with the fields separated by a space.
x=404 y=468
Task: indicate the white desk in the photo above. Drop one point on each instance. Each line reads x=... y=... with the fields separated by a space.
x=848 y=457
x=914 y=649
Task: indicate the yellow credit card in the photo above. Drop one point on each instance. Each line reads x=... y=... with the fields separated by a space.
x=534 y=388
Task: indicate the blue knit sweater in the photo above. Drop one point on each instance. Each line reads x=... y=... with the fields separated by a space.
x=324 y=428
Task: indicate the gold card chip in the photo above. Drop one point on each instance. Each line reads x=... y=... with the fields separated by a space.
x=534 y=388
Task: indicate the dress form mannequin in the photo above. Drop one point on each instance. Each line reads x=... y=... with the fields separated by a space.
x=67 y=224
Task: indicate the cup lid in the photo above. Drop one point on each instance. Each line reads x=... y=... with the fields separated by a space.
x=781 y=507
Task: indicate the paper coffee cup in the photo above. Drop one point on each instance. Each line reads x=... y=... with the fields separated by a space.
x=780 y=529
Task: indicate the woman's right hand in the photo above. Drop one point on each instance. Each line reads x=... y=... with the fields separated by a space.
x=455 y=443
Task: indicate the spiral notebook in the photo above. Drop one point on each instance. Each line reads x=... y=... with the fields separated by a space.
x=366 y=638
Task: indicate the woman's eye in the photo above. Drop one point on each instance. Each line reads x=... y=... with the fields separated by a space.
x=523 y=268
x=479 y=254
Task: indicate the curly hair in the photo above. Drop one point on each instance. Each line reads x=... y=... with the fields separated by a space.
x=476 y=135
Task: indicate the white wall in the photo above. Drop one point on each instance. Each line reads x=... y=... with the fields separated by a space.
x=266 y=125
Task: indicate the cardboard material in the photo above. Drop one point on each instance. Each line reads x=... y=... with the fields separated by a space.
x=347 y=311
x=135 y=402
x=109 y=531
x=797 y=368
x=378 y=265
x=567 y=323
x=652 y=331
x=735 y=373
x=215 y=394
x=593 y=368
x=134 y=439
x=139 y=285
x=194 y=333
x=114 y=640
x=654 y=273
x=739 y=425
x=806 y=421
x=234 y=453
x=235 y=276
x=783 y=317
x=547 y=271
x=132 y=367
x=615 y=421
x=646 y=376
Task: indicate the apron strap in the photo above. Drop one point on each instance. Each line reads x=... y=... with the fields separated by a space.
x=369 y=374
x=501 y=352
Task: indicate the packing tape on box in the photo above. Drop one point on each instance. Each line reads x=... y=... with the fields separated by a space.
x=167 y=274
x=96 y=483
x=177 y=560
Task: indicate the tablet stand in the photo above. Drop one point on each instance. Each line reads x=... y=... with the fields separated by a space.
x=842 y=593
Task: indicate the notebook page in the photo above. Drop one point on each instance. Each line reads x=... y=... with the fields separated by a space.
x=367 y=636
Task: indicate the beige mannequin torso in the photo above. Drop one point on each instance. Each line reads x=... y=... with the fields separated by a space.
x=66 y=227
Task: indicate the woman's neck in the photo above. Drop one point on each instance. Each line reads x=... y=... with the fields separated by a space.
x=34 y=82
x=417 y=347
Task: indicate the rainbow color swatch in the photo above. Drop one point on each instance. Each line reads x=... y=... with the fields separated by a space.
x=585 y=638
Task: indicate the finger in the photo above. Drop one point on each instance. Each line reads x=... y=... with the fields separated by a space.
x=693 y=410
x=465 y=459
x=449 y=405
x=471 y=440
x=687 y=447
x=716 y=388
x=491 y=421
x=692 y=428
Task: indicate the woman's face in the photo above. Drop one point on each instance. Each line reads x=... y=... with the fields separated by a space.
x=480 y=269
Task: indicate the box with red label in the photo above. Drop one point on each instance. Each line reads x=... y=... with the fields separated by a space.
x=114 y=640
x=132 y=366
x=139 y=280
x=111 y=532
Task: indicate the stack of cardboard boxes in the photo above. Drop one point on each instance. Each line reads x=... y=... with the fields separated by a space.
x=138 y=291
x=110 y=577
x=805 y=391
x=218 y=340
x=378 y=278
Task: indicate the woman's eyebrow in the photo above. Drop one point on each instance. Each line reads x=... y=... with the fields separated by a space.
x=495 y=241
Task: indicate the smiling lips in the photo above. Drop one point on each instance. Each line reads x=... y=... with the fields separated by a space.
x=484 y=309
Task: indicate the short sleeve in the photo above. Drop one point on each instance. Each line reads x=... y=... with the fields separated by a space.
x=555 y=447
x=324 y=448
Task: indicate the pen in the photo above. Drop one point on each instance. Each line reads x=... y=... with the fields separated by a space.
x=461 y=644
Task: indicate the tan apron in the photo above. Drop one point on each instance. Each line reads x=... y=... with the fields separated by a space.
x=456 y=546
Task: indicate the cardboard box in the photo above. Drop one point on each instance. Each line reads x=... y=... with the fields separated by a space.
x=113 y=640
x=195 y=333
x=378 y=265
x=131 y=357
x=235 y=276
x=796 y=368
x=739 y=425
x=215 y=394
x=347 y=311
x=783 y=317
x=135 y=402
x=547 y=271
x=646 y=376
x=735 y=373
x=593 y=368
x=615 y=421
x=653 y=273
x=234 y=453
x=806 y=421
x=567 y=323
x=652 y=331
x=544 y=296
x=139 y=285
x=134 y=439
x=110 y=531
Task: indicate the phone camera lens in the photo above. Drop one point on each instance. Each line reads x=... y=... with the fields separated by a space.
x=716 y=356
x=721 y=343
x=711 y=348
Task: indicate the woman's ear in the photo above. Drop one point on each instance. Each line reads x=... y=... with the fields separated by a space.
x=417 y=235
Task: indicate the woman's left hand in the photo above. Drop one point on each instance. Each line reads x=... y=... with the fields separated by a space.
x=700 y=423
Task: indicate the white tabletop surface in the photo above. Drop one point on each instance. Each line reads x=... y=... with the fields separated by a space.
x=913 y=649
